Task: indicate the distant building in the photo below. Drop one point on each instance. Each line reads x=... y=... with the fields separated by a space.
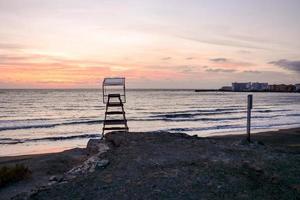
x=241 y=87
x=226 y=88
x=259 y=86
x=297 y=87
x=282 y=88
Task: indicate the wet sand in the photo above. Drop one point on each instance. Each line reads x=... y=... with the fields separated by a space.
x=172 y=166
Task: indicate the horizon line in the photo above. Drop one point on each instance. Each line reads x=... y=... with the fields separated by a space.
x=101 y=89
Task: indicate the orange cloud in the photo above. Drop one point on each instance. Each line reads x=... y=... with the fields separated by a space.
x=44 y=71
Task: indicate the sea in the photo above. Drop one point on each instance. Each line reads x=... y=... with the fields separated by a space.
x=43 y=121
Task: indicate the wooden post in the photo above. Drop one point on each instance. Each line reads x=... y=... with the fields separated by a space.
x=249 y=107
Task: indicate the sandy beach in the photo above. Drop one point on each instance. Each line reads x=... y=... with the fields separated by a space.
x=152 y=165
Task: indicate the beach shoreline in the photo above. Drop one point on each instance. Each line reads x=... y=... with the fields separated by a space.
x=288 y=135
x=45 y=166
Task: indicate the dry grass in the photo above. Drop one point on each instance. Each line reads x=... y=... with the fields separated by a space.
x=13 y=174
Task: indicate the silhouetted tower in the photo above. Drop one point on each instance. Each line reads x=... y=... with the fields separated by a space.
x=114 y=97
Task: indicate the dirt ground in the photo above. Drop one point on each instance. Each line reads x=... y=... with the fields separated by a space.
x=42 y=167
x=154 y=165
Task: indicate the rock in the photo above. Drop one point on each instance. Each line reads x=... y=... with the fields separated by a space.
x=63 y=182
x=260 y=143
x=243 y=142
x=243 y=196
x=95 y=146
x=194 y=136
x=252 y=167
x=52 y=183
x=275 y=179
x=101 y=164
x=39 y=188
x=56 y=178
x=296 y=187
x=210 y=183
x=68 y=177
x=52 y=178
x=257 y=169
x=116 y=139
x=182 y=135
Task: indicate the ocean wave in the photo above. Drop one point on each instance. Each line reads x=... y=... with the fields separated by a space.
x=293 y=115
x=215 y=119
x=218 y=111
x=18 y=141
x=190 y=115
x=196 y=111
x=4 y=116
x=179 y=117
x=72 y=109
x=29 y=119
x=51 y=125
x=228 y=127
x=204 y=128
x=269 y=110
x=204 y=119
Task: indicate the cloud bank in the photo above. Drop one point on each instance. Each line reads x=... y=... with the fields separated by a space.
x=220 y=70
x=288 y=64
x=219 y=59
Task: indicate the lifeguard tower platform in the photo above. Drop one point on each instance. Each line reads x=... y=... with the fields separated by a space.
x=114 y=97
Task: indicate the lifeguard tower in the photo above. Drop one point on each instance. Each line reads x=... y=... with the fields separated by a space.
x=114 y=97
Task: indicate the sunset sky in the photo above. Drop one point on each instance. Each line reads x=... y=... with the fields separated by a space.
x=154 y=44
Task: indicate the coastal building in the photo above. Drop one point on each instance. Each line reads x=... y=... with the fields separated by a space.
x=281 y=88
x=297 y=87
x=259 y=86
x=241 y=87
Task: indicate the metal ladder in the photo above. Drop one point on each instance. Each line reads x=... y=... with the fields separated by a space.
x=112 y=122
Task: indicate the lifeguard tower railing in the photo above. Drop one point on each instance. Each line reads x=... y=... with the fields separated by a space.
x=113 y=86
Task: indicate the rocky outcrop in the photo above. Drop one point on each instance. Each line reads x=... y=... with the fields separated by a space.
x=95 y=148
x=155 y=165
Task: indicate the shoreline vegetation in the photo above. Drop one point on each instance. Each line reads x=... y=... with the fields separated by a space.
x=153 y=165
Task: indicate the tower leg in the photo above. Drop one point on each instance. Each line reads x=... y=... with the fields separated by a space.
x=105 y=116
x=114 y=121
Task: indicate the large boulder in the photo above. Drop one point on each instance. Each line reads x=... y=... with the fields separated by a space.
x=117 y=138
x=95 y=146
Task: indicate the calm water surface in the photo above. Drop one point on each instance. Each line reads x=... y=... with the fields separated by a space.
x=38 y=121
